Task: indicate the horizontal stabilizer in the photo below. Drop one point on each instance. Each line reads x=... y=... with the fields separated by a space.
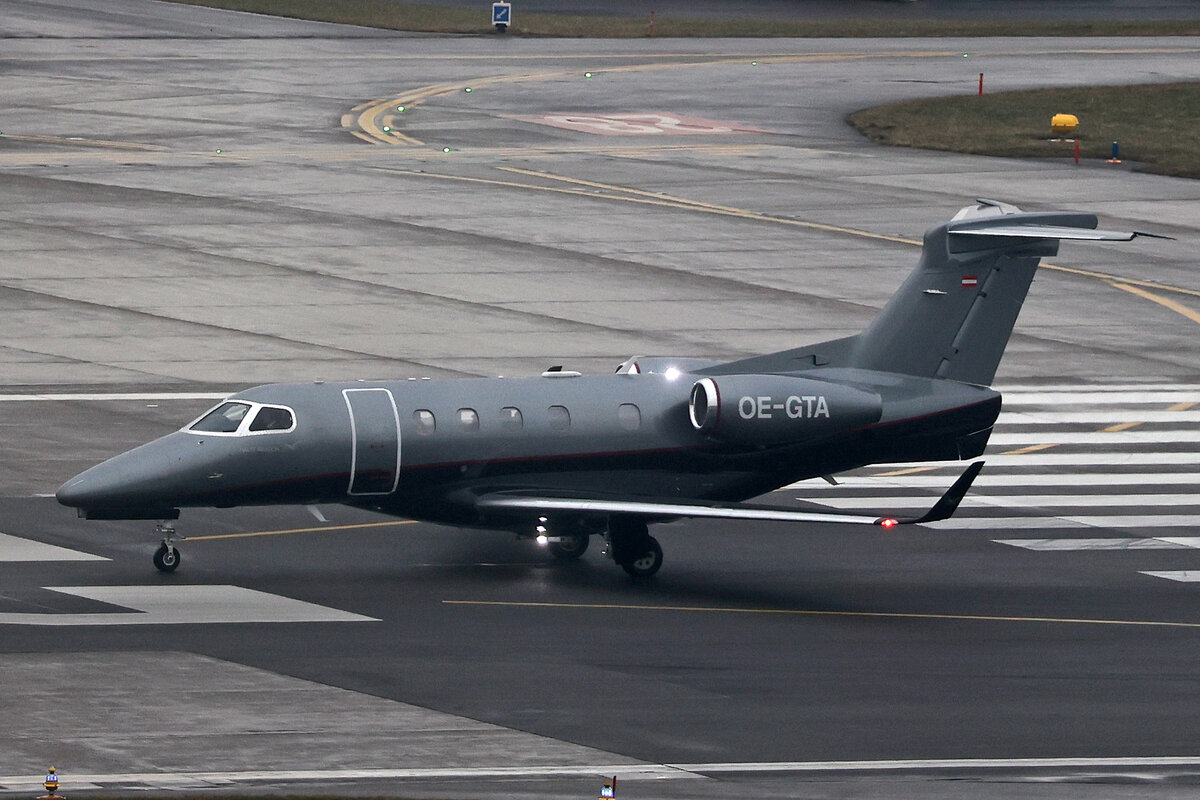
x=943 y=509
x=1050 y=232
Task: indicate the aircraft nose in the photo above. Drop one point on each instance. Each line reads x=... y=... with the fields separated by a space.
x=133 y=485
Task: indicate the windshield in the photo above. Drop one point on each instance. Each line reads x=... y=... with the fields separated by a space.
x=225 y=418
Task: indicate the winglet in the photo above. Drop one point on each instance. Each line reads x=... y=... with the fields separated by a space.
x=946 y=506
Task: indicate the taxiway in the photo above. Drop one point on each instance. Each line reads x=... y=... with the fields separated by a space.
x=196 y=201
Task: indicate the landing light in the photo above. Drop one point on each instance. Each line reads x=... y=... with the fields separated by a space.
x=543 y=540
x=671 y=373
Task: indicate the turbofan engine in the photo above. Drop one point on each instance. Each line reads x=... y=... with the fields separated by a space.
x=766 y=410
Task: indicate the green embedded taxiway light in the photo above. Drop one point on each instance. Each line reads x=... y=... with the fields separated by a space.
x=445 y=149
x=754 y=63
x=587 y=74
x=467 y=89
x=401 y=109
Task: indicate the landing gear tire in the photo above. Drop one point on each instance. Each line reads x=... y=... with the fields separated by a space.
x=569 y=548
x=166 y=558
x=633 y=548
x=648 y=563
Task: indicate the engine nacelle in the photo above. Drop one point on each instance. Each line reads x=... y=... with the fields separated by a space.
x=767 y=410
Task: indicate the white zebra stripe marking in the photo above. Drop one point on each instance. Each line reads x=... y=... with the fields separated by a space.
x=14 y=548
x=183 y=605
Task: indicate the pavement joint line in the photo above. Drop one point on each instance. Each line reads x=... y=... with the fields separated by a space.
x=655 y=198
x=825 y=613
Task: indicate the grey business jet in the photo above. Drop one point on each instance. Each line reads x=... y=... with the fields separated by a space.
x=564 y=456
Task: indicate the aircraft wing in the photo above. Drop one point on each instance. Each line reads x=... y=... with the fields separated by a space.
x=942 y=509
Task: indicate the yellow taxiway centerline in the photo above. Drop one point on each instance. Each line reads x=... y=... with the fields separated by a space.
x=799 y=612
x=321 y=529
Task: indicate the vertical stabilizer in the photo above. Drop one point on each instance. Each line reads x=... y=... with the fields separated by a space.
x=953 y=316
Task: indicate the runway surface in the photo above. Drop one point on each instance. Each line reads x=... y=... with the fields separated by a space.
x=197 y=201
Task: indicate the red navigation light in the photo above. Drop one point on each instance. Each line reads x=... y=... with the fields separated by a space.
x=888 y=522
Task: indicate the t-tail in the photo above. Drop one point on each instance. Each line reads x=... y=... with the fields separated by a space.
x=952 y=317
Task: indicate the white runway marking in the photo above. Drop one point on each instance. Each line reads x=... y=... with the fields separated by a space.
x=1072 y=389
x=182 y=605
x=1030 y=417
x=1135 y=436
x=1073 y=521
x=1113 y=459
x=14 y=548
x=151 y=396
x=1031 y=479
x=1015 y=501
x=1067 y=545
x=624 y=771
x=1106 y=398
x=1182 y=576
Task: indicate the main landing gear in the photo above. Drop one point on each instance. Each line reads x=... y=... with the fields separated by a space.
x=633 y=548
x=629 y=543
x=166 y=557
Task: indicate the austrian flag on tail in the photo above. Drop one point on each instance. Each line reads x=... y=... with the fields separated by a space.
x=970 y=281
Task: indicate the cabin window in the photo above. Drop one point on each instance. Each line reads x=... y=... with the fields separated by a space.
x=510 y=418
x=468 y=420
x=273 y=418
x=426 y=422
x=629 y=416
x=559 y=418
x=225 y=418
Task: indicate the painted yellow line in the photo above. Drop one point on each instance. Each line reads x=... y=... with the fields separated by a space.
x=1129 y=286
x=555 y=189
x=322 y=529
x=1124 y=426
x=1181 y=406
x=1104 y=276
x=909 y=471
x=718 y=209
x=813 y=613
x=1033 y=448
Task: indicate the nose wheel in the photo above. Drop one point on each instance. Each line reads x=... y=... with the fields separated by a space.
x=166 y=557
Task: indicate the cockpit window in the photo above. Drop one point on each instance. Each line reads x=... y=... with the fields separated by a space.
x=225 y=418
x=243 y=418
x=272 y=418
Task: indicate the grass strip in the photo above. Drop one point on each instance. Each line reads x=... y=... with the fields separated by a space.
x=420 y=17
x=1157 y=125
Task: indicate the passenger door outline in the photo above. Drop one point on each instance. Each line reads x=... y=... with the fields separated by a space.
x=373 y=469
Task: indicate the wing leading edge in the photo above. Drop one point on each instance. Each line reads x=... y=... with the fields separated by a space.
x=942 y=509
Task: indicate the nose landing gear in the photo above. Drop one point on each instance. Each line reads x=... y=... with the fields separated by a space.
x=166 y=557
